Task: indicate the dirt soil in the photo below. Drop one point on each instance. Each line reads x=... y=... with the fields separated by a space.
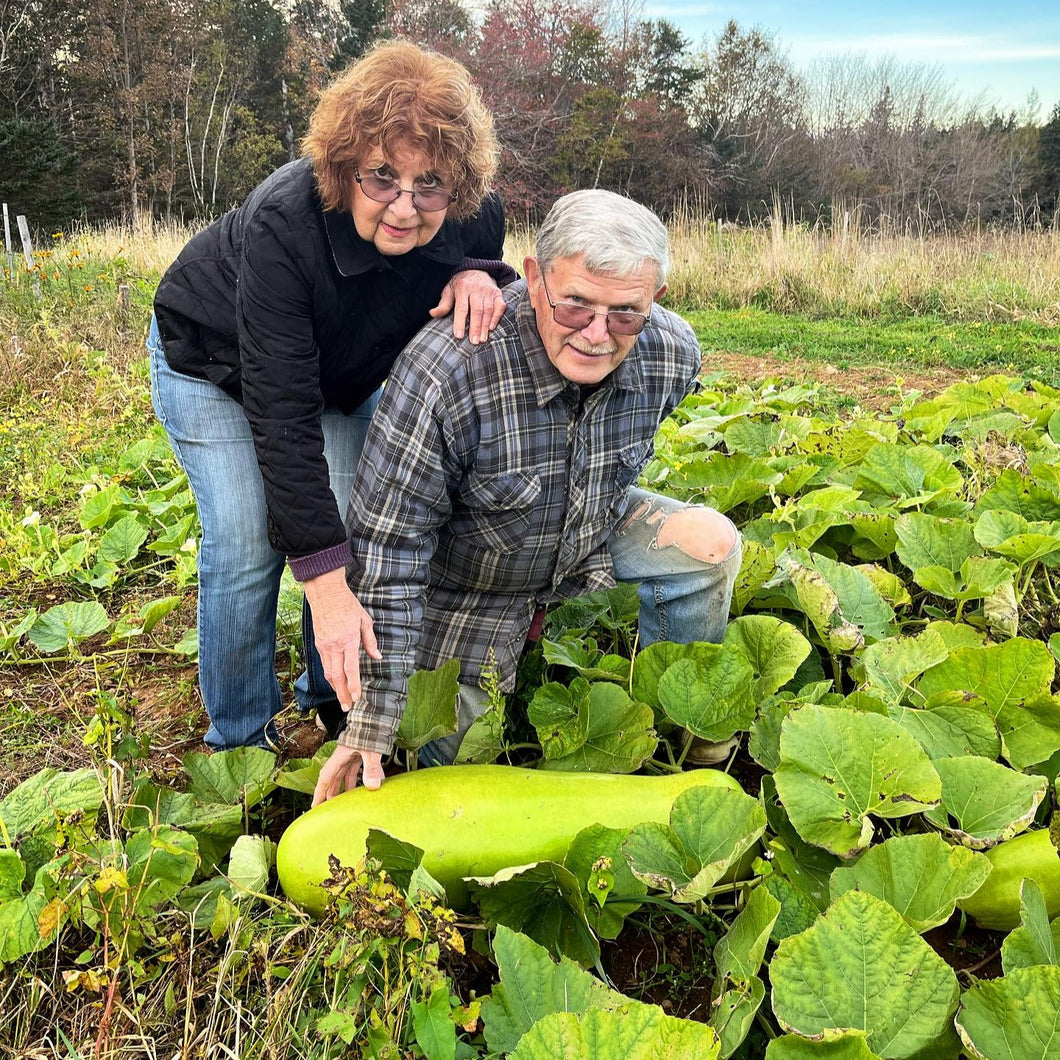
x=871 y=386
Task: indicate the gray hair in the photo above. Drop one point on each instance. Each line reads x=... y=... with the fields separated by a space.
x=613 y=234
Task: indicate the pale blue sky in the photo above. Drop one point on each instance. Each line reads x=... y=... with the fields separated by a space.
x=995 y=51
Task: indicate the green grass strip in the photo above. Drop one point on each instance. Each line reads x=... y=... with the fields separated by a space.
x=923 y=342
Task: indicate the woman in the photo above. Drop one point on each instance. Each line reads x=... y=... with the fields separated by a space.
x=274 y=329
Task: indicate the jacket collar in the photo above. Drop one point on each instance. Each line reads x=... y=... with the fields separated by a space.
x=354 y=255
x=547 y=380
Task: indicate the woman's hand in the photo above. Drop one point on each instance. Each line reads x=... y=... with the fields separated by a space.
x=341 y=770
x=340 y=627
x=475 y=300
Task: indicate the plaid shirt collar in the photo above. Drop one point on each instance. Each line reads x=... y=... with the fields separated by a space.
x=547 y=381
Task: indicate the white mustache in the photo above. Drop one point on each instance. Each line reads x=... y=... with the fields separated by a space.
x=605 y=350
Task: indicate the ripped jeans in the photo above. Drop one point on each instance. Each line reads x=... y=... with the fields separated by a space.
x=664 y=545
x=685 y=558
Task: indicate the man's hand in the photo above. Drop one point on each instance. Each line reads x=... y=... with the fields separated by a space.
x=475 y=300
x=342 y=769
x=340 y=627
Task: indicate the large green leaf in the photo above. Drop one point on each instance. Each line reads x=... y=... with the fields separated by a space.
x=586 y=658
x=862 y=966
x=596 y=859
x=99 y=506
x=1016 y=493
x=215 y=825
x=978 y=577
x=892 y=665
x=710 y=829
x=1016 y=1017
x=712 y=698
x=848 y=443
x=161 y=862
x=837 y=767
x=1001 y=674
x=249 y=864
x=756 y=437
x=1030 y=732
x=614 y=609
x=643 y=1033
x=806 y=868
x=774 y=648
x=67 y=625
x=724 y=480
x=651 y=663
x=148 y=616
x=123 y=540
x=483 y=742
x=532 y=986
x=430 y=706
x=908 y=475
x=545 y=902
x=1013 y=680
x=738 y=992
x=888 y=585
x=1036 y=940
x=12 y=873
x=875 y=537
x=592 y=727
x=950 y=730
x=242 y=775
x=46 y=798
x=756 y=569
x=20 y=915
x=844 y=606
x=919 y=875
x=9 y=637
x=926 y=541
x=1021 y=540
x=984 y=802
x=433 y=1023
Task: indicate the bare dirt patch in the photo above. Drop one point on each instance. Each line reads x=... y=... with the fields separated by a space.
x=874 y=387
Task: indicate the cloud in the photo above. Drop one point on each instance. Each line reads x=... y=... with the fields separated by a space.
x=953 y=49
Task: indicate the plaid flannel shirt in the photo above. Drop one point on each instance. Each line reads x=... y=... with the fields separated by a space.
x=487 y=488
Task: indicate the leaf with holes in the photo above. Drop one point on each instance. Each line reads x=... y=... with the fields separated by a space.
x=840 y=767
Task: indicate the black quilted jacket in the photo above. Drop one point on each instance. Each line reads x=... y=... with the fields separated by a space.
x=287 y=309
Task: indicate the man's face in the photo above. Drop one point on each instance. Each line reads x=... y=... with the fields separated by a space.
x=587 y=355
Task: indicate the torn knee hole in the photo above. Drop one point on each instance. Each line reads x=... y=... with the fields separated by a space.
x=642 y=509
x=701 y=535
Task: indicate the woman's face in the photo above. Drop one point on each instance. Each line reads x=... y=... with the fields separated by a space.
x=396 y=227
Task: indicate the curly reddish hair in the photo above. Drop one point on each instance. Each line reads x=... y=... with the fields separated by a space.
x=398 y=97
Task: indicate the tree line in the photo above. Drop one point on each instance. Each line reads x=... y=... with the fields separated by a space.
x=175 y=109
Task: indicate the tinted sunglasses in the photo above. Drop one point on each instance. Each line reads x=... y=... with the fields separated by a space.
x=380 y=188
x=572 y=315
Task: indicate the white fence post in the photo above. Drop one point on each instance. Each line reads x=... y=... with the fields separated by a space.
x=8 y=247
x=27 y=250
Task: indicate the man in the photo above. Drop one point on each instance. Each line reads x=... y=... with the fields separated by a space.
x=500 y=478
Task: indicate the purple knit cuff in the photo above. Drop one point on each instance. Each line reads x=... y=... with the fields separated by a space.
x=501 y=271
x=329 y=559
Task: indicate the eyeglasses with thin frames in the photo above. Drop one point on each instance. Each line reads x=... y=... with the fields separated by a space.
x=572 y=315
x=380 y=188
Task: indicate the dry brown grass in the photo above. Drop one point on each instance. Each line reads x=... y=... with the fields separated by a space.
x=850 y=269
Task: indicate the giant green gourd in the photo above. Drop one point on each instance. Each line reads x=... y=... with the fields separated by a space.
x=473 y=820
x=996 y=904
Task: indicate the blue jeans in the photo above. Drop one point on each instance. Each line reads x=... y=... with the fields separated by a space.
x=682 y=599
x=239 y=571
